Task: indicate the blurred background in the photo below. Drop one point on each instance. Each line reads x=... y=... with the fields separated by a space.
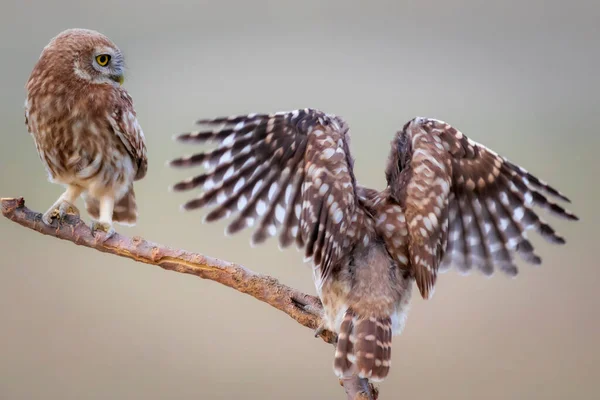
x=520 y=77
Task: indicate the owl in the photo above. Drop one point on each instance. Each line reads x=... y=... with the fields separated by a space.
x=448 y=201
x=85 y=128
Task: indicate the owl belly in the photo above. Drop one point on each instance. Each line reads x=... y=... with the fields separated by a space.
x=371 y=286
x=336 y=302
x=87 y=155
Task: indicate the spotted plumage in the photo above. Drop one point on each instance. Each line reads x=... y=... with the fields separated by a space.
x=85 y=127
x=448 y=201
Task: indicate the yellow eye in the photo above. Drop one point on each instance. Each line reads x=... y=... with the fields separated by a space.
x=103 y=59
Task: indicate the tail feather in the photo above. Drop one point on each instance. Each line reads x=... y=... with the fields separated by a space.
x=344 y=353
x=384 y=349
x=125 y=210
x=363 y=347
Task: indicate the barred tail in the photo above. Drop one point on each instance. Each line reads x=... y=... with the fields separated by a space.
x=364 y=347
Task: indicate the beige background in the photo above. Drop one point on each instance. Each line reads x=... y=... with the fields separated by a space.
x=520 y=77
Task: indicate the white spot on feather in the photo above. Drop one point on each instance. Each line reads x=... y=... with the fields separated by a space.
x=229 y=173
x=261 y=207
x=221 y=198
x=226 y=157
x=288 y=193
x=229 y=139
x=323 y=189
x=257 y=187
x=337 y=217
x=242 y=201
x=273 y=190
x=518 y=213
x=280 y=213
x=327 y=153
x=239 y=184
x=428 y=224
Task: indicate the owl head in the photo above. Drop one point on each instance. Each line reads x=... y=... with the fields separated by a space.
x=88 y=54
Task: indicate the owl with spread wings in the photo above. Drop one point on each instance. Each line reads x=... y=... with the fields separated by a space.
x=448 y=201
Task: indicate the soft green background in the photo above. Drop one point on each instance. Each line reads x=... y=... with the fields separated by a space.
x=520 y=77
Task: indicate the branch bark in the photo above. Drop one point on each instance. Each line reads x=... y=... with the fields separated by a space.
x=303 y=308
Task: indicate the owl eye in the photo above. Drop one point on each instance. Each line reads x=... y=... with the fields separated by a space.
x=103 y=59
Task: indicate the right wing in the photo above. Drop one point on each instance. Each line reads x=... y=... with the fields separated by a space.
x=291 y=170
x=464 y=204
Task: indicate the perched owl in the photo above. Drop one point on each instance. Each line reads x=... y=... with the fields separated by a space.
x=85 y=127
x=448 y=201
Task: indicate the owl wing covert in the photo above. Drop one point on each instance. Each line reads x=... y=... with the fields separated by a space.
x=290 y=170
x=464 y=204
x=126 y=126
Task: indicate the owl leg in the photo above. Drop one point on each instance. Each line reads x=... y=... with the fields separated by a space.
x=322 y=325
x=104 y=223
x=64 y=205
x=316 y=311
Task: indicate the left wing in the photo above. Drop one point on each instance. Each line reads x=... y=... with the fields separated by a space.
x=125 y=125
x=463 y=203
x=289 y=170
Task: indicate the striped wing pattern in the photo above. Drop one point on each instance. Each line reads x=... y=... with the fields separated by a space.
x=290 y=173
x=464 y=204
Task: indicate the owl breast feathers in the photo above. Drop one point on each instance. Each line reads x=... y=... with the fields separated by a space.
x=85 y=126
x=448 y=201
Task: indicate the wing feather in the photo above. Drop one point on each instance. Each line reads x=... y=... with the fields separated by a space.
x=289 y=171
x=126 y=126
x=489 y=201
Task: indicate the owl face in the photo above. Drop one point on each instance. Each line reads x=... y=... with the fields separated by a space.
x=92 y=56
x=102 y=64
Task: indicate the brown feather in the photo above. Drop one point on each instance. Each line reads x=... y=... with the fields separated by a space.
x=448 y=201
x=84 y=124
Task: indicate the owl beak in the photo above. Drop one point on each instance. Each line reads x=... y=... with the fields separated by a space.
x=118 y=78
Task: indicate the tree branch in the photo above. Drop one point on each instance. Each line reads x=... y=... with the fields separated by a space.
x=303 y=308
x=359 y=389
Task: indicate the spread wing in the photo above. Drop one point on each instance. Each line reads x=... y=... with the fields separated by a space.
x=290 y=171
x=125 y=125
x=464 y=204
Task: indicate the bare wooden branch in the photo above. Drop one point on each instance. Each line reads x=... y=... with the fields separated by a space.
x=261 y=287
x=303 y=308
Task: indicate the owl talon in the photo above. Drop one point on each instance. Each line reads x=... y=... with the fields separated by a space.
x=320 y=329
x=49 y=216
x=105 y=227
x=67 y=208
x=59 y=211
x=319 y=312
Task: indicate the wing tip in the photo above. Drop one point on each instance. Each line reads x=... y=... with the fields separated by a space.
x=184 y=137
x=570 y=216
x=563 y=197
x=175 y=163
x=427 y=286
x=551 y=190
x=192 y=204
x=181 y=186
